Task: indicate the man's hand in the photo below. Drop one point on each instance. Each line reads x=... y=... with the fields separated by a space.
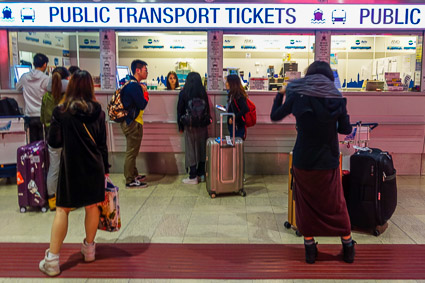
x=230 y=121
x=145 y=89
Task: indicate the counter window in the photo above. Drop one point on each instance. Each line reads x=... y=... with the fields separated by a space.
x=180 y=52
x=376 y=62
x=266 y=62
x=62 y=48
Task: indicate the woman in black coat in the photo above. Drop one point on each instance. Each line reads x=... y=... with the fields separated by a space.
x=78 y=126
x=321 y=113
x=193 y=118
x=236 y=103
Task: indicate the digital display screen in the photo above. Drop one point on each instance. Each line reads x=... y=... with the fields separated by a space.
x=20 y=70
x=122 y=72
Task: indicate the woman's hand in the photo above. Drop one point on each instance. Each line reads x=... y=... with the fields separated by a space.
x=282 y=90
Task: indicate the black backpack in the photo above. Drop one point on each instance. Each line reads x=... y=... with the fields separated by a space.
x=196 y=113
x=9 y=107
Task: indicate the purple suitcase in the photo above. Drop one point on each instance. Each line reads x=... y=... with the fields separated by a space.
x=31 y=176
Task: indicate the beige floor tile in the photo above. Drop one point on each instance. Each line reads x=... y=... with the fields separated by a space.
x=260 y=235
x=155 y=205
x=232 y=231
x=201 y=218
x=172 y=225
x=256 y=191
x=262 y=220
x=257 y=201
x=232 y=219
x=259 y=209
x=207 y=231
x=163 y=190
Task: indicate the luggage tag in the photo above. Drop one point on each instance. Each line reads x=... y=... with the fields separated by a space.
x=229 y=141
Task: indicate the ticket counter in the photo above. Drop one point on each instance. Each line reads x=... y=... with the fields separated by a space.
x=275 y=43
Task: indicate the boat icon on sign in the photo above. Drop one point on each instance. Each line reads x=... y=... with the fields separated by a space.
x=338 y=16
x=27 y=14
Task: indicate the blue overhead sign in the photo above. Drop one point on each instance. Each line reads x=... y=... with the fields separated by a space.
x=210 y=16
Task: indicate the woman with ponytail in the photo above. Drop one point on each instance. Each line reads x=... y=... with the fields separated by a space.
x=55 y=91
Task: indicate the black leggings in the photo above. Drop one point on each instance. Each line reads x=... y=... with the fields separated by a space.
x=195 y=171
x=35 y=128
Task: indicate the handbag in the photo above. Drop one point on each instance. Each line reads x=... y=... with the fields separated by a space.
x=110 y=219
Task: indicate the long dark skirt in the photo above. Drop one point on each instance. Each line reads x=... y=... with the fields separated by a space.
x=320 y=207
x=195 y=144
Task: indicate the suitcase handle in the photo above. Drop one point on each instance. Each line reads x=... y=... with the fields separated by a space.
x=222 y=144
x=221 y=128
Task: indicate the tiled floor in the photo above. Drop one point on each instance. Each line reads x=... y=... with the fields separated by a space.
x=171 y=212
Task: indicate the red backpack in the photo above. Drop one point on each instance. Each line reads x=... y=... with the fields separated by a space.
x=250 y=118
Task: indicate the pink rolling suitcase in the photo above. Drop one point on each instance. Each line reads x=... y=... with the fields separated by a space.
x=224 y=164
x=31 y=176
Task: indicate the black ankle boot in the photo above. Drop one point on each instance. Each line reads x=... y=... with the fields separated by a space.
x=310 y=253
x=349 y=252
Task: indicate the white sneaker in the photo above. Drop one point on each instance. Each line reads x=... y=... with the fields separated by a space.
x=49 y=266
x=88 y=251
x=201 y=179
x=189 y=181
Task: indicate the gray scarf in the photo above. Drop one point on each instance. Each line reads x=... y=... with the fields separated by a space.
x=316 y=85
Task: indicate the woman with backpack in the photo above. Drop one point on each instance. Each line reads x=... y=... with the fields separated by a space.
x=236 y=103
x=193 y=118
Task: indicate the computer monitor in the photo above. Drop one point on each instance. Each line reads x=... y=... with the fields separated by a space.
x=337 y=81
x=122 y=72
x=20 y=70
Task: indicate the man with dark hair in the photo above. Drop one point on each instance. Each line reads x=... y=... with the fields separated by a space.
x=134 y=97
x=73 y=69
x=34 y=85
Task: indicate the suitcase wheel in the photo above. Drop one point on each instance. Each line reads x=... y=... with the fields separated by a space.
x=376 y=233
x=44 y=209
x=287 y=225
x=242 y=192
x=23 y=209
x=212 y=195
x=298 y=233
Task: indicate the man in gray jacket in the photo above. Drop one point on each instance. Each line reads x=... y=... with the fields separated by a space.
x=34 y=85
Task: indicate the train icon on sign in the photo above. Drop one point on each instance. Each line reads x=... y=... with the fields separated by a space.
x=339 y=16
x=27 y=14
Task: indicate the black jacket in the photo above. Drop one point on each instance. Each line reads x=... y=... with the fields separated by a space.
x=83 y=162
x=240 y=110
x=133 y=100
x=319 y=120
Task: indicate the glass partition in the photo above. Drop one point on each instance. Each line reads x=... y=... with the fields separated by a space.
x=181 y=52
x=63 y=49
x=376 y=62
x=267 y=61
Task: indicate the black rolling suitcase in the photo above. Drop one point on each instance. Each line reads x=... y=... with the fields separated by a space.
x=372 y=196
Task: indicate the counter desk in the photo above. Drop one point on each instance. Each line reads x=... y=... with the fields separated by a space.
x=401 y=131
